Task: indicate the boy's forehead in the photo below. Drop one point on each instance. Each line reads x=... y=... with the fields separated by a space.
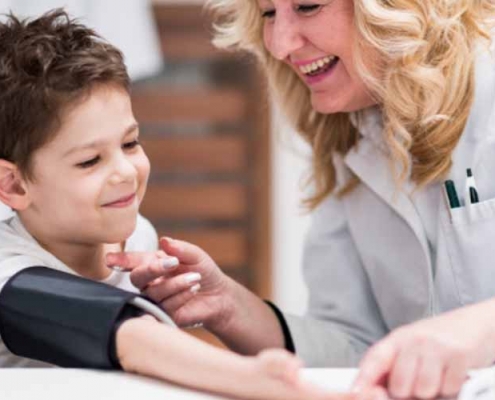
x=103 y=114
x=100 y=141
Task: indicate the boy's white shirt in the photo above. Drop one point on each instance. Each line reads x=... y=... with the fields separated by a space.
x=19 y=250
x=5 y=212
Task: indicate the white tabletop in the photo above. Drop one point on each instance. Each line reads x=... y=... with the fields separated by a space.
x=77 y=384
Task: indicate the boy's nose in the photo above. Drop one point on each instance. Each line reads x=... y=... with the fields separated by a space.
x=286 y=37
x=124 y=170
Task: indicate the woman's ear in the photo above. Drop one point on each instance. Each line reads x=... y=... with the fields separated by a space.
x=12 y=188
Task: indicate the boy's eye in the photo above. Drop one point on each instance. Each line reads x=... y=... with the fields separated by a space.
x=130 y=145
x=89 y=163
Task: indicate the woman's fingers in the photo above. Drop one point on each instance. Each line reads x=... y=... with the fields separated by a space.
x=376 y=364
x=186 y=252
x=141 y=277
x=162 y=289
x=175 y=303
x=454 y=377
x=429 y=376
x=402 y=376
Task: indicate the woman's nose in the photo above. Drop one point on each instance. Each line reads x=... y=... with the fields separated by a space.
x=286 y=37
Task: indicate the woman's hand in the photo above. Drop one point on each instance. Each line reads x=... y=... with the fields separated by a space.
x=182 y=278
x=431 y=357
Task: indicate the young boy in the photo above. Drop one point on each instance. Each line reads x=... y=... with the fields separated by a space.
x=72 y=169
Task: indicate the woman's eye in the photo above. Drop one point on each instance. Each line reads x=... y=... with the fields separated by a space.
x=89 y=163
x=130 y=145
x=268 y=14
x=308 y=8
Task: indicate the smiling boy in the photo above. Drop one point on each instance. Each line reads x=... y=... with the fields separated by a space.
x=70 y=161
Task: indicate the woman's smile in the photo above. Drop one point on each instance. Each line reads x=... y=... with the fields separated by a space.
x=318 y=70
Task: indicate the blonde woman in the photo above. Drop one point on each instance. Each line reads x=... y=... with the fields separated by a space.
x=395 y=97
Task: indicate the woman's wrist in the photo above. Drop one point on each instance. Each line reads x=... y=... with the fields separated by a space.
x=248 y=324
x=229 y=309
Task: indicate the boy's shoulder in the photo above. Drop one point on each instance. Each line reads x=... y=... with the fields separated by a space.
x=144 y=237
x=18 y=251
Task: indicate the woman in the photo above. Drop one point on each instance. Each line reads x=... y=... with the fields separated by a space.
x=395 y=97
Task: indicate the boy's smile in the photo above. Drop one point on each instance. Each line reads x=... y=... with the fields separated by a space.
x=124 y=201
x=90 y=179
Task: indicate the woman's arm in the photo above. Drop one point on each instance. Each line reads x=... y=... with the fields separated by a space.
x=431 y=357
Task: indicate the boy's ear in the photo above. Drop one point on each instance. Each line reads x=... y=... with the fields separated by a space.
x=12 y=189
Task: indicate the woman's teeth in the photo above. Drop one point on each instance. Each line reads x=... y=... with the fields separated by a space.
x=317 y=66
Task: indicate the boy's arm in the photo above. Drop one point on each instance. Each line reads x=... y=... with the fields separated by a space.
x=149 y=348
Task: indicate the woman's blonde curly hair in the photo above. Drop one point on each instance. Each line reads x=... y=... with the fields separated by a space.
x=425 y=85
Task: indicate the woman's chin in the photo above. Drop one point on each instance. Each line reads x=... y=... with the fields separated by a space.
x=326 y=104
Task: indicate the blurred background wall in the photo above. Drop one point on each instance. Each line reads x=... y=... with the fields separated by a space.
x=227 y=169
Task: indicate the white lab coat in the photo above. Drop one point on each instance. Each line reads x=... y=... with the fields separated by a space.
x=367 y=261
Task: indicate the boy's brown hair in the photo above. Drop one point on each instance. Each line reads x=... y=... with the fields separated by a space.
x=47 y=65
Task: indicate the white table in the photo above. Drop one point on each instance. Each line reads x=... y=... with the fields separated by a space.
x=77 y=384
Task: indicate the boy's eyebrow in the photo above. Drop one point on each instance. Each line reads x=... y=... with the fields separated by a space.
x=97 y=143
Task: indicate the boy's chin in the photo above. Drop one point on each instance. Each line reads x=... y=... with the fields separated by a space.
x=120 y=232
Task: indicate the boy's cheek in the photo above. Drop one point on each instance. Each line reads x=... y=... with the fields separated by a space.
x=144 y=173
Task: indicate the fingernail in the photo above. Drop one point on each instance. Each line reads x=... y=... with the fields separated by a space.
x=170 y=262
x=193 y=277
x=195 y=288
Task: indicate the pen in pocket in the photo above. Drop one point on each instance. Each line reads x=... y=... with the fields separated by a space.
x=452 y=194
x=471 y=191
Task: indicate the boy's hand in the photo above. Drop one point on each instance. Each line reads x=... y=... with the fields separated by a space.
x=279 y=379
x=181 y=277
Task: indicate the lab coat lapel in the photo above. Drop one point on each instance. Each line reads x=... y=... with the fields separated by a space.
x=370 y=164
x=372 y=167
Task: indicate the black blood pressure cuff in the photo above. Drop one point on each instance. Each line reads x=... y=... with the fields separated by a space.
x=289 y=342
x=63 y=319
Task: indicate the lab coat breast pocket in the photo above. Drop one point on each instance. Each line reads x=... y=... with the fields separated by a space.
x=470 y=239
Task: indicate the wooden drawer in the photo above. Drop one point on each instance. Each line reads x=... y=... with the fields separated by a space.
x=213 y=106
x=195 y=201
x=223 y=154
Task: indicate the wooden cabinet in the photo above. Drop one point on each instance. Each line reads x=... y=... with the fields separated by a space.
x=205 y=126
